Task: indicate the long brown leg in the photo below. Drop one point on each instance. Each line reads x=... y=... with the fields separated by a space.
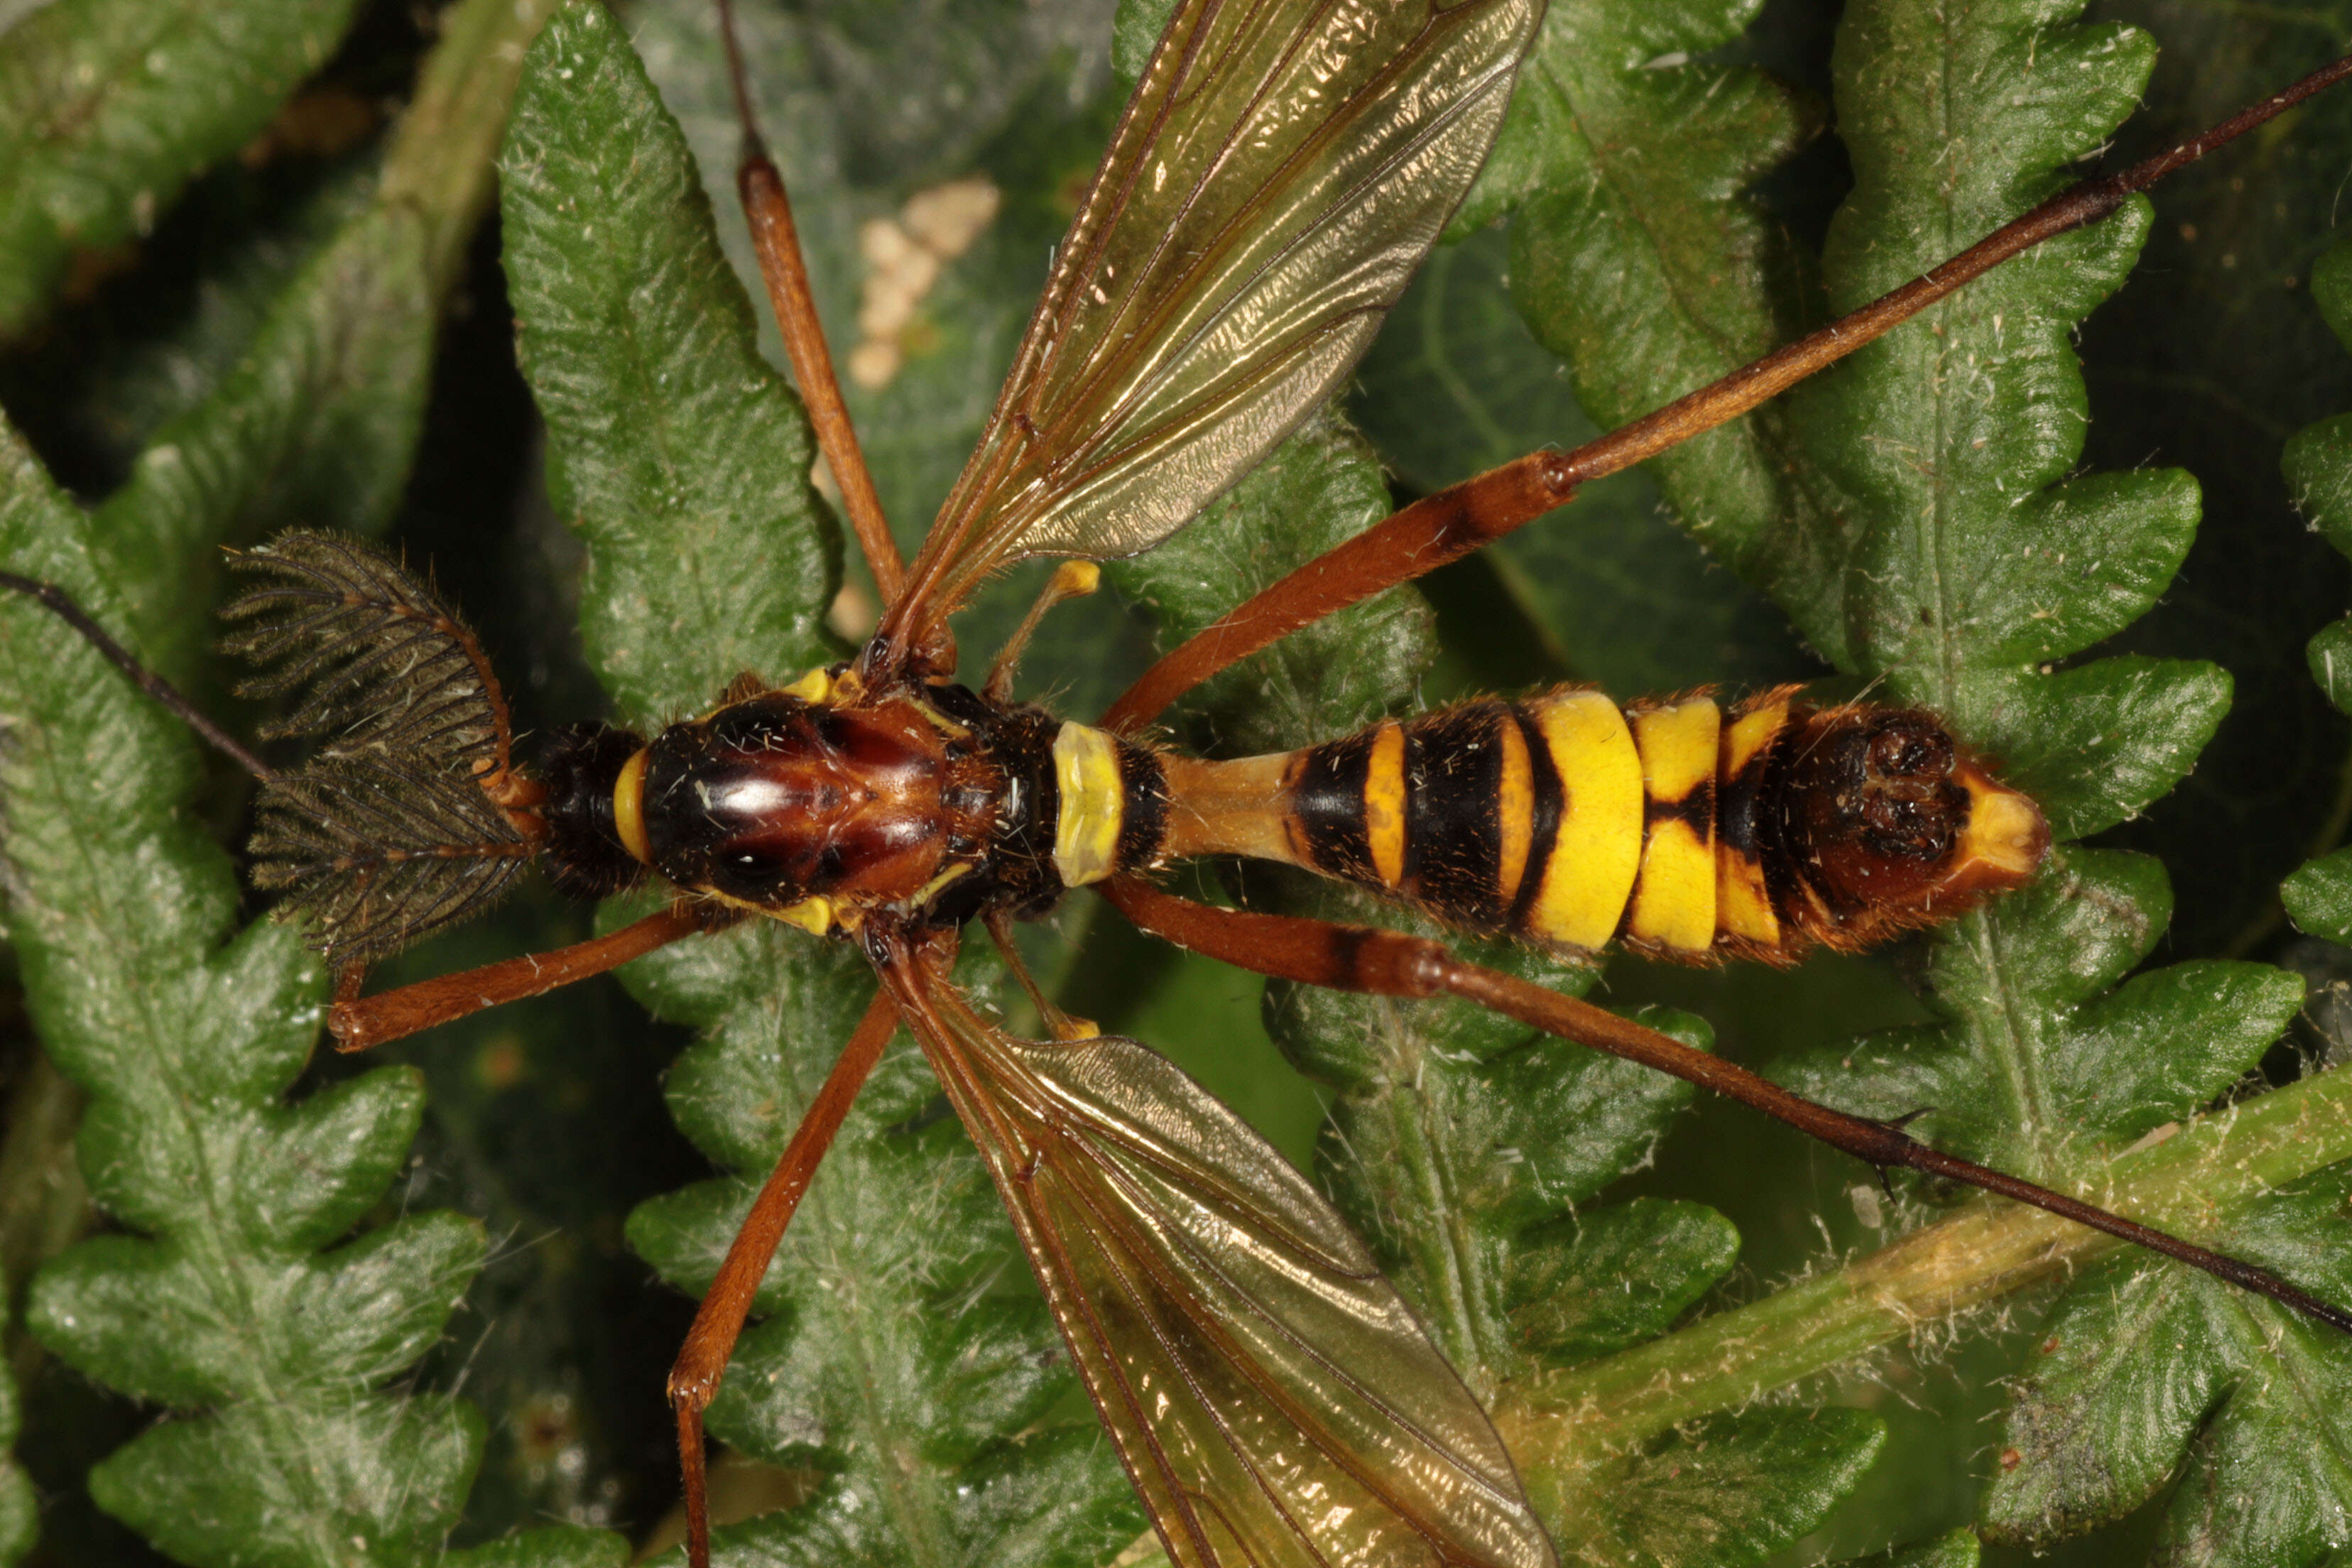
x=702 y=1359
x=773 y=237
x=1391 y=963
x=1452 y=523
x=359 y=1023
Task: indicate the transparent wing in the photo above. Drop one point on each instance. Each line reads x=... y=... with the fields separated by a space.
x=1281 y=170
x=1273 y=1398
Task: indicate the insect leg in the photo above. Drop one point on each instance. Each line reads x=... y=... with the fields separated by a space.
x=360 y=1023
x=773 y=237
x=702 y=1359
x=1430 y=532
x=1448 y=525
x=1393 y=963
x=58 y=603
x=1060 y=1024
x=1071 y=580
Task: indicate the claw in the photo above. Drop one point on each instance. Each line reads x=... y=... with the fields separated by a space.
x=1897 y=1124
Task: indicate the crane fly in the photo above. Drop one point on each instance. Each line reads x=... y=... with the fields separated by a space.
x=1279 y=173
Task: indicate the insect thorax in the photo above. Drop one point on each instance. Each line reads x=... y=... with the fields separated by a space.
x=821 y=805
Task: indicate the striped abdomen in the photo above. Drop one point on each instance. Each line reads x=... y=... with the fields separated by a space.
x=1565 y=820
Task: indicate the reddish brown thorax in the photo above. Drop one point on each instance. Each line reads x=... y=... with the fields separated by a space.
x=821 y=807
x=773 y=800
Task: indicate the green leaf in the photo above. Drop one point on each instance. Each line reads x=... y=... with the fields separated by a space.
x=1320 y=487
x=642 y=355
x=2039 y=1056
x=246 y=1304
x=317 y=416
x=1456 y=384
x=191 y=1487
x=1852 y=504
x=862 y=132
x=972 y=66
x=550 y=1546
x=20 y=1515
x=144 y=349
x=1648 y=275
x=1958 y=1550
x=2317 y=463
x=1033 y=111
x=108 y=107
x=1611 y=1276
x=2110 y=1411
x=1727 y=1497
x=186 y=1033
x=2260 y=1411
x=888 y=1364
x=317 y=420
x=1916 y=512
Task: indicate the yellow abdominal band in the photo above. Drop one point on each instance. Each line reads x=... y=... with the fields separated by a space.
x=1597 y=848
x=1384 y=806
x=1743 y=897
x=1673 y=903
x=1094 y=805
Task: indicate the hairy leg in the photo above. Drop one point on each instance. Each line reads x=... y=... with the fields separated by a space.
x=777 y=241
x=702 y=1359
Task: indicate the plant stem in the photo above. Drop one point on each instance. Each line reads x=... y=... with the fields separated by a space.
x=1561 y=1424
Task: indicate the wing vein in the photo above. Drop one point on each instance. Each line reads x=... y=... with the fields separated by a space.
x=1269 y=1393
x=1237 y=227
x=1310 y=152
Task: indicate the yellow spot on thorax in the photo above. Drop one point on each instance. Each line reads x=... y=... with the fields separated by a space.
x=814 y=686
x=1384 y=805
x=1094 y=805
x=814 y=916
x=629 y=809
x=940 y=884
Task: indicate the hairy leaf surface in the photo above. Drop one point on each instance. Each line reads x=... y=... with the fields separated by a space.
x=246 y=1302
x=107 y=107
